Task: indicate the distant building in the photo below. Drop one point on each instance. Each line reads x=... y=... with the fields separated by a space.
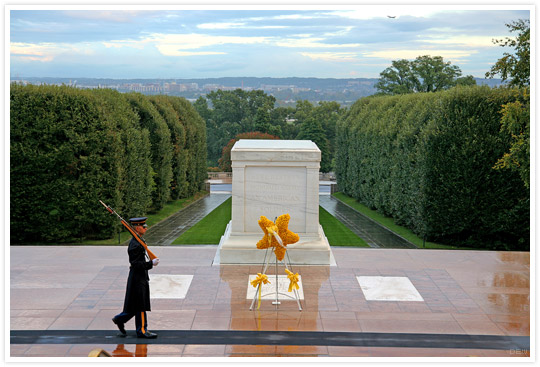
x=211 y=87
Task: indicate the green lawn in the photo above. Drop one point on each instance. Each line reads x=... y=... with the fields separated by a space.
x=210 y=229
x=390 y=224
x=337 y=233
x=169 y=209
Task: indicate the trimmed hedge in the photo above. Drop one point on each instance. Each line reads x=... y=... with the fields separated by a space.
x=195 y=144
x=178 y=140
x=70 y=148
x=426 y=159
x=161 y=147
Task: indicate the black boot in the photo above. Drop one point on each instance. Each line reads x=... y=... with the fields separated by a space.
x=120 y=326
x=147 y=335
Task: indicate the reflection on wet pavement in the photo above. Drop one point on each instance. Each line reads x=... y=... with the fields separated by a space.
x=166 y=231
x=463 y=292
x=374 y=234
x=140 y=350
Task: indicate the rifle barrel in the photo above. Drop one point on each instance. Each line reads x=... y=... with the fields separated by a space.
x=131 y=230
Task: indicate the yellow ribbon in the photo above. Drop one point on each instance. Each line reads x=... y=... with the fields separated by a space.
x=259 y=281
x=272 y=231
x=294 y=280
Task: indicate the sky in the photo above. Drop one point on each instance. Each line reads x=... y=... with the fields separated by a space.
x=250 y=41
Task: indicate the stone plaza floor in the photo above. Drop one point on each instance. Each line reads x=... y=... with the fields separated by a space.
x=63 y=299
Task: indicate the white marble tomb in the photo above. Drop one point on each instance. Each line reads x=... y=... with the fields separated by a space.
x=271 y=178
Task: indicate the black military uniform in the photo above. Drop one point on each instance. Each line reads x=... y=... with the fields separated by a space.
x=137 y=300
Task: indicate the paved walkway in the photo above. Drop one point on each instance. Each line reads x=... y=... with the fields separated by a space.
x=374 y=234
x=166 y=231
x=474 y=304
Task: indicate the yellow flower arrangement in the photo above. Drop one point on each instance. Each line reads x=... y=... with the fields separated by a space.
x=281 y=229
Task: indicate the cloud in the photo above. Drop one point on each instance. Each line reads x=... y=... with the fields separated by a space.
x=173 y=52
x=124 y=43
x=221 y=25
x=178 y=44
x=306 y=42
x=46 y=52
x=296 y=16
x=370 y=12
x=409 y=54
x=172 y=44
x=238 y=26
x=462 y=40
x=332 y=56
x=340 y=32
x=116 y=16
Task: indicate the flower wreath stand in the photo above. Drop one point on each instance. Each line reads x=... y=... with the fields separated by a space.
x=273 y=239
x=292 y=287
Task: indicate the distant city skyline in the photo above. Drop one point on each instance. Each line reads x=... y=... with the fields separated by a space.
x=211 y=42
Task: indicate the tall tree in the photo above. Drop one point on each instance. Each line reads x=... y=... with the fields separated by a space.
x=284 y=117
x=311 y=129
x=516 y=122
x=225 y=160
x=397 y=79
x=434 y=74
x=228 y=113
x=424 y=74
x=515 y=67
x=515 y=119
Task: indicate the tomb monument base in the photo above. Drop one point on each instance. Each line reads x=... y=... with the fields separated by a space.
x=271 y=178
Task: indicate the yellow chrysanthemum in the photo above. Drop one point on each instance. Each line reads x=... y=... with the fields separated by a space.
x=281 y=227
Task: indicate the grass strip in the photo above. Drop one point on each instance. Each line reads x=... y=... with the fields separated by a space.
x=337 y=233
x=167 y=210
x=208 y=231
x=172 y=207
x=389 y=223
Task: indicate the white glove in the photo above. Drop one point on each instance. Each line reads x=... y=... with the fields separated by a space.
x=155 y=261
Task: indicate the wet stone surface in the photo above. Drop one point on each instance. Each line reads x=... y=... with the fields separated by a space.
x=374 y=234
x=165 y=232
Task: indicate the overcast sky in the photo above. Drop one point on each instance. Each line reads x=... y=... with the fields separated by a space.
x=323 y=42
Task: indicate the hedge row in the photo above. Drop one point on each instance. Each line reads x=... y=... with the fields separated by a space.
x=427 y=160
x=71 y=148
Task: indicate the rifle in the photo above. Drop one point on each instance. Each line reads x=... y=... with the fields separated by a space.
x=131 y=230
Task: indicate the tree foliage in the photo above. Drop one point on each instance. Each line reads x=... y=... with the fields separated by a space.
x=71 y=147
x=229 y=113
x=178 y=181
x=194 y=150
x=225 y=160
x=516 y=123
x=311 y=129
x=515 y=67
x=161 y=147
x=424 y=74
x=426 y=160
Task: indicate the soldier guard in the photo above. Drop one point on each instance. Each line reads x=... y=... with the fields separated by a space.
x=137 y=299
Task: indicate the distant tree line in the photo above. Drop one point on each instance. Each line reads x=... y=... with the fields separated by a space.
x=229 y=113
x=70 y=148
